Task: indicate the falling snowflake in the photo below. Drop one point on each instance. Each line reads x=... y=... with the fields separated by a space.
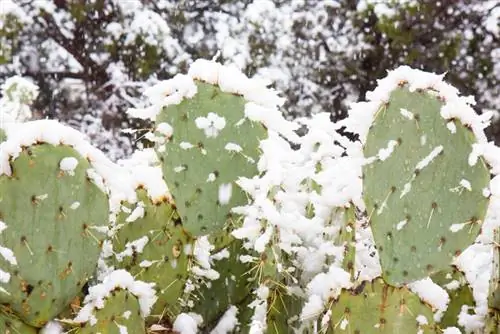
x=211 y=124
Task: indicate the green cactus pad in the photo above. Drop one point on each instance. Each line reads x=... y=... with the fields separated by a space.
x=50 y=217
x=165 y=251
x=492 y=325
x=230 y=288
x=494 y=296
x=194 y=178
x=459 y=296
x=10 y=324
x=121 y=308
x=284 y=311
x=347 y=237
x=376 y=307
x=412 y=205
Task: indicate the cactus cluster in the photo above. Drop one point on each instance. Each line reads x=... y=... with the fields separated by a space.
x=234 y=223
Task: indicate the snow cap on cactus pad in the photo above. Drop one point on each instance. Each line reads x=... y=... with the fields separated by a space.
x=151 y=245
x=419 y=184
x=213 y=139
x=52 y=214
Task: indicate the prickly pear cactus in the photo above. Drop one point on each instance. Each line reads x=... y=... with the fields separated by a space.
x=208 y=149
x=376 y=307
x=214 y=297
x=455 y=284
x=120 y=314
x=10 y=324
x=50 y=241
x=424 y=200
x=154 y=247
x=494 y=297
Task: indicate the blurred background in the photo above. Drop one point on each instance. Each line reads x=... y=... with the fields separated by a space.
x=92 y=59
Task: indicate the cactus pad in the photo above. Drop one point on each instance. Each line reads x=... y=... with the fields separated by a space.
x=206 y=153
x=163 y=260
x=9 y=324
x=460 y=294
x=494 y=297
x=230 y=288
x=50 y=217
x=376 y=307
x=424 y=201
x=120 y=314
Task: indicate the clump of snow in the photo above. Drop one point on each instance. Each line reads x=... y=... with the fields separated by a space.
x=17 y=94
x=225 y=191
x=228 y=322
x=52 y=327
x=68 y=165
x=187 y=323
x=97 y=295
x=211 y=125
x=433 y=294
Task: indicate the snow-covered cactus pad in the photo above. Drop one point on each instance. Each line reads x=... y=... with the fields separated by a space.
x=376 y=307
x=151 y=245
x=118 y=305
x=50 y=214
x=212 y=138
x=423 y=189
x=231 y=287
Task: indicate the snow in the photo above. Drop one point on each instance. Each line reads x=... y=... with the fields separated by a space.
x=17 y=94
x=433 y=294
x=68 y=165
x=228 y=322
x=429 y=158
x=211 y=125
x=385 y=153
x=187 y=323
x=52 y=327
x=225 y=191
x=361 y=114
